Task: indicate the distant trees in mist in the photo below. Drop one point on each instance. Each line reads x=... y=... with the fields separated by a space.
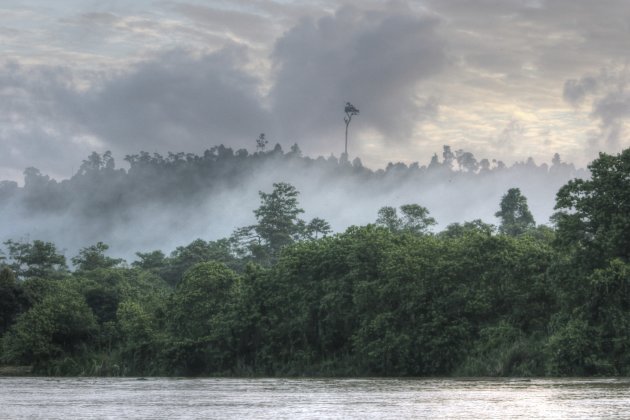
x=167 y=199
x=99 y=185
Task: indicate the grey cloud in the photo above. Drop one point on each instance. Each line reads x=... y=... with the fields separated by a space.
x=612 y=110
x=174 y=102
x=34 y=129
x=512 y=133
x=94 y=18
x=178 y=102
x=252 y=27
x=373 y=58
x=610 y=106
x=556 y=36
x=575 y=91
x=181 y=100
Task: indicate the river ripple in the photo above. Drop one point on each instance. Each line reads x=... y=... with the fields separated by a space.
x=68 y=398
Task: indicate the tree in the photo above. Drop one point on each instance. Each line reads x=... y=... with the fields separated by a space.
x=350 y=111
x=556 y=161
x=466 y=161
x=593 y=215
x=201 y=319
x=476 y=226
x=150 y=261
x=278 y=225
x=261 y=142
x=415 y=219
x=11 y=300
x=514 y=213
x=93 y=257
x=96 y=163
x=36 y=259
x=295 y=150
x=59 y=325
x=448 y=157
x=388 y=218
x=317 y=227
x=278 y=217
x=184 y=257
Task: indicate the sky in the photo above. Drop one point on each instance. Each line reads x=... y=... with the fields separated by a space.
x=503 y=79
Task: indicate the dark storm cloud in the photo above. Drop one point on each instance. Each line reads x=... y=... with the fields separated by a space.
x=373 y=58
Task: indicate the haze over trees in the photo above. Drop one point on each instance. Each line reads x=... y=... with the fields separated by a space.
x=168 y=201
x=393 y=297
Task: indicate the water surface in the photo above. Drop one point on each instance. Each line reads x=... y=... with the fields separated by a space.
x=64 y=398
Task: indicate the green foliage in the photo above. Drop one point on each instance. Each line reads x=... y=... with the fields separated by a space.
x=152 y=261
x=572 y=349
x=388 y=218
x=200 y=320
x=278 y=217
x=468 y=228
x=172 y=268
x=62 y=323
x=592 y=216
x=317 y=228
x=514 y=213
x=11 y=299
x=503 y=350
x=415 y=219
x=35 y=259
x=278 y=226
x=93 y=257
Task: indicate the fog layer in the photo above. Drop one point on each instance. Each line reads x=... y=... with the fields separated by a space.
x=160 y=202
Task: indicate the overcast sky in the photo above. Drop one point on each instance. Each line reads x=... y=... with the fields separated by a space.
x=502 y=79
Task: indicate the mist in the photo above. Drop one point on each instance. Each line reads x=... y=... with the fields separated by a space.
x=152 y=202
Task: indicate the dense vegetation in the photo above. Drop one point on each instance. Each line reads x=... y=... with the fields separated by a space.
x=284 y=297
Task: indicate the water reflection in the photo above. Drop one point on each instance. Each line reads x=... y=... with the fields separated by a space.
x=55 y=398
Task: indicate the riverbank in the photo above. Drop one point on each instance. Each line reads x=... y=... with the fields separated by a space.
x=16 y=370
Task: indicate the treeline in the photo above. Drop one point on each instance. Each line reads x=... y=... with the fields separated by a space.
x=284 y=297
x=186 y=176
x=152 y=195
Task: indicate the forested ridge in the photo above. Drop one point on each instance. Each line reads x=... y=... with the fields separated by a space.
x=154 y=201
x=286 y=296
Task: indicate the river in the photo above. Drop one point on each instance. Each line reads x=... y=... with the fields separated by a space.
x=114 y=398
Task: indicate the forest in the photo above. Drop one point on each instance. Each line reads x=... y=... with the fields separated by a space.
x=152 y=201
x=285 y=296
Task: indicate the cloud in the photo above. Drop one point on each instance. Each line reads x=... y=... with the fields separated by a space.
x=610 y=106
x=241 y=25
x=575 y=91
x=34 y=124
x=177 y=101
x=184 y=75
x=375 y=59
